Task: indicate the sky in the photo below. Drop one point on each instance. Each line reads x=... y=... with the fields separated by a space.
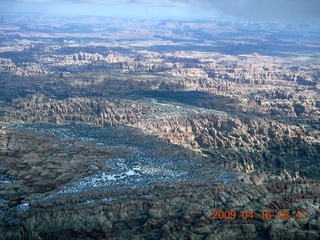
x=290 y=11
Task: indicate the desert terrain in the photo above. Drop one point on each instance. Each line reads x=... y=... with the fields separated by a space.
x=149 y=129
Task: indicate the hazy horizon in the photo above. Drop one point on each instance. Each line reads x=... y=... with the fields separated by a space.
x=295 y=12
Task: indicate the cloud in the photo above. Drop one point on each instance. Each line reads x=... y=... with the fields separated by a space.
x=16 y=2
x=257 y=10
x=268 y=9
x=114 y=2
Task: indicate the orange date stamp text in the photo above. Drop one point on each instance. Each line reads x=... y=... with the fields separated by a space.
x=263 y=214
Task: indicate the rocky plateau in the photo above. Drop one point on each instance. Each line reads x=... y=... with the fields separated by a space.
x=116 y=130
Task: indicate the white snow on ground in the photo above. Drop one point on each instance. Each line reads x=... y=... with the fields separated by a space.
x=138 y=170
x=2 y=212
x=23 y=207
x=134 y=171
x=7 y=180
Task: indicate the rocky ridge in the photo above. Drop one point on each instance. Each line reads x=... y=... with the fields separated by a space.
x=233 y=141
x=159 y=211
x=217 y=102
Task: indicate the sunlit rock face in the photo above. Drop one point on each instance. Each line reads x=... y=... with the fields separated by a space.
x=115 y=175
x=109 y=157
x=246 y=139
x=158 y=129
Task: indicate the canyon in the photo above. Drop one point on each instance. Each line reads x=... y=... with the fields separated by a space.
x=110 y=130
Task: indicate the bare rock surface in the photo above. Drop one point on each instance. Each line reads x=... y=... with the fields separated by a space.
x=210 y=129
x=45 y=195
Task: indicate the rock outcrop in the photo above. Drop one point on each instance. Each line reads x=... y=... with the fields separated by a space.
x=241 y=130
x=233 y=140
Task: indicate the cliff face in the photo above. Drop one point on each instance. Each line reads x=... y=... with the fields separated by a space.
x=37 y=166
x=190 y=71
x=246 y=145
x=243 y=139
x=226 y=130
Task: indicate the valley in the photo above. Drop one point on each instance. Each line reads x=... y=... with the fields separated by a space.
x=117 y=128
